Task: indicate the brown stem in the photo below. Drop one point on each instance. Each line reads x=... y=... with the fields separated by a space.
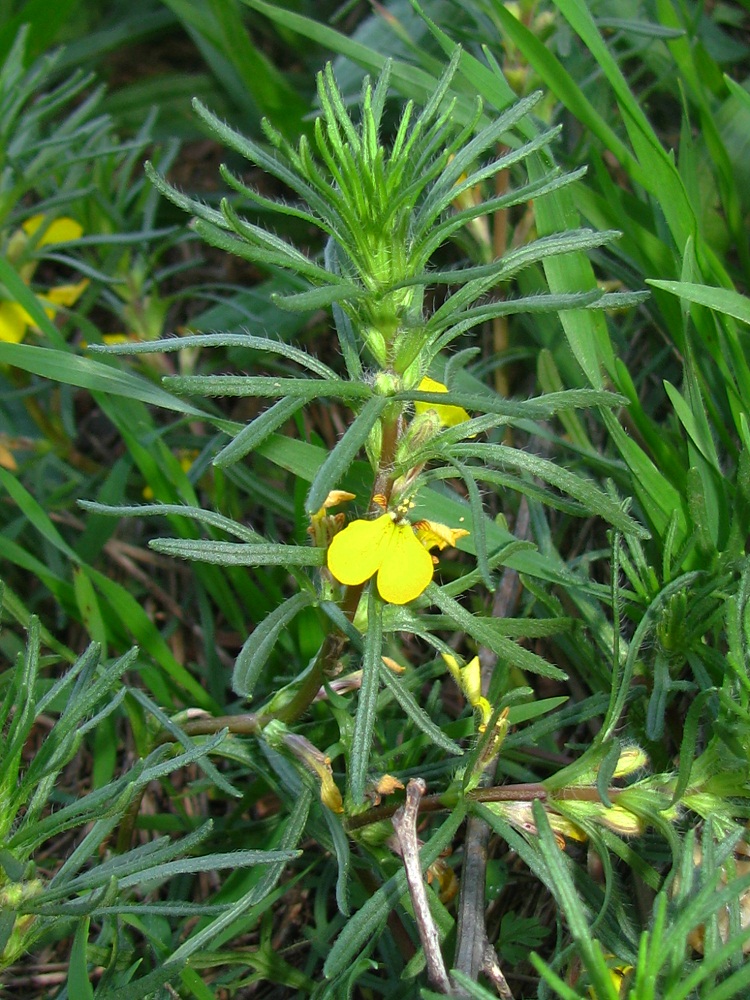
x=405 y=825
x=383 y=484
x=522 y=792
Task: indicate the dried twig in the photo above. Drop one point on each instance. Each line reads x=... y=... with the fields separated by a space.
x=405 y=825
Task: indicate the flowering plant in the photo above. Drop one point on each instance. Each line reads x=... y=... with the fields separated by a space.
x=386 y=212
x=37 y=232
x=419 y=415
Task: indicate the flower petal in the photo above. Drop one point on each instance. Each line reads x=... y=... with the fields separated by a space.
x=13 y=322
x=356 y=553
x=65 y=295
x=448 y=415
x=433 y=534
x=406 y=568
x=58 y=231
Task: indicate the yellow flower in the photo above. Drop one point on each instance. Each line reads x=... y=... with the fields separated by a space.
x=394 y=549
x=617 y=973
x=320 y=765
x=58 y=231
x=469 y=680
x=14 y=319
x=448 y=415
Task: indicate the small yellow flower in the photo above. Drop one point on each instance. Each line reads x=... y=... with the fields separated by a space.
x=14 y=319
x=394 y=549
x=469 y=680
x=448 y=415
x=61 y=230
x=320 y=765
x=617 y=974
x=386 y=547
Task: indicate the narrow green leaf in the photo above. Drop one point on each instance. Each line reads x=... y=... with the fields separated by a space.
x=209 y=862
x=85 y=373
x=258 y=430
x=695 y=425
x=587 y=494
x=525 y=713
x=264 y=385
x=561 y=884
x=606 y=770
x=331 y=473
x=367 y=703
x=688 y=744
x=721 y=300
x=258 y=647
x=79 y=984
x=146 y=986
x=238 y=553
x=170 y=509
x=89 y=607
x=193 y=982
x=482 y=630
x=343 y=859
x=536 y=408
x=246 y=340
x=417 y=714
x=319 y=298
x=478 y=521
x=658 y=497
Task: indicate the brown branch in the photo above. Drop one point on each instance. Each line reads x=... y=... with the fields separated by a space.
x=405 y=825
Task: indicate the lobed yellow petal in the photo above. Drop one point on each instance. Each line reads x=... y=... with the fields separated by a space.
x=357 y=552
x=448 y=415
x=406 y=567
x=433 y=534
x=58 y=231
x=66 y=295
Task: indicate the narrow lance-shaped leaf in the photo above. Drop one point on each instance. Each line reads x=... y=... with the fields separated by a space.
x=318 y=298
x=259 y=646
x=481 y=629
x=417 y=714
x=69 y=369
x=539 y=408
x=343 y=859
x=247 y=340
x=477 y=518
x=580 y=489
x=79 y=984
x=258 y=430
x=239 y=554
x=266 y=386
x=364 y=722
x=166 y=509
x=333 y=469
